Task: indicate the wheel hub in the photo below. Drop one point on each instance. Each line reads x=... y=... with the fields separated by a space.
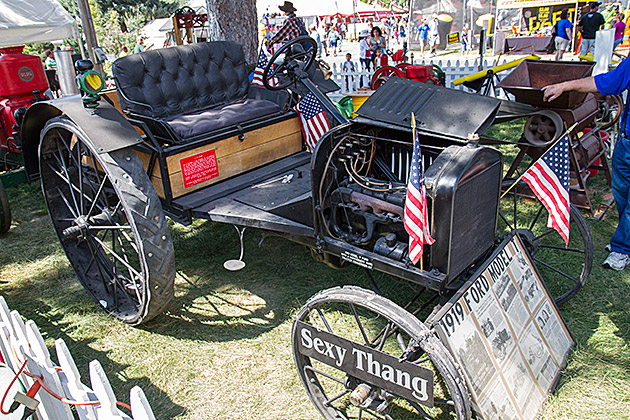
x=82 y=225
x=529 y=240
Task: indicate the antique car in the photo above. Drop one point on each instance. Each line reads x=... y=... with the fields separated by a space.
x=195 y=140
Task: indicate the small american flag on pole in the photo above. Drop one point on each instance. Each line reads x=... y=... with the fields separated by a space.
x=312 y=119
x=416 y=218
x=548 y=178
x=263 y=60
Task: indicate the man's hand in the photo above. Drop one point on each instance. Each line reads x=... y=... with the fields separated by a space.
x=552 y=92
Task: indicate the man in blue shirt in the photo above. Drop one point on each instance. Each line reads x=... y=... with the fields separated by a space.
x=612 y=83
x=563 y=34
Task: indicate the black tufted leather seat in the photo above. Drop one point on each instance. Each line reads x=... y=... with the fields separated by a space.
x=194 y=89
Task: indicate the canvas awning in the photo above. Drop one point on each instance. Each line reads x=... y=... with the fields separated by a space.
x=26 y=21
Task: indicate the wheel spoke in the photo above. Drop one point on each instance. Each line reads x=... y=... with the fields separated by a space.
x=98 y=193
x=70 y=184
x=324 y=374
x=560 y=248
x=116 y=256
x=356 y=317
x=321 y=315
x=551 y=267
x=540 y=210
x=336 y=397
x=65 y=200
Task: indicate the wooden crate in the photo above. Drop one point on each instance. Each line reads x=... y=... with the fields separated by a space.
x=227 y=157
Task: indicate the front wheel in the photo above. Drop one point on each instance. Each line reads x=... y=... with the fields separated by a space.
x=361 y=319
x=110 y=222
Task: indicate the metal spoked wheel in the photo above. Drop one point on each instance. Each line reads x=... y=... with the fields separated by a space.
x=564 y=269
x=5 y=211
x=364 y=318
x=383 y=74
x=609 y=111
x=110 y=222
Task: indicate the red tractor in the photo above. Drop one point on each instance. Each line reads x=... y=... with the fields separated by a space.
x=424 y=73
x=22 y=83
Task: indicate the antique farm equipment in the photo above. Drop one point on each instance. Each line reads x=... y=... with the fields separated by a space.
x=550 y=119
x=425 y=73
x=198 y=141
x=23 y=82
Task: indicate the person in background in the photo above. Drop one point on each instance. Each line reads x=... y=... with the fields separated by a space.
x=364 y=49
x=333 y=39
x=377 y=44
x=140 y=46
x=590 y=23
x=620 y=28
x=564 y=32
x=465 y=41
x=423 y=35
x=614 y=82
x=123 y=52
x=49 y=62
x=434 y=34
x=322 y=36
x=349 y=66
x=609 y=15
x=293 y=26
x=315 y=35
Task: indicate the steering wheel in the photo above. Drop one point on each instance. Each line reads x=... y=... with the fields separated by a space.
x=294 y=56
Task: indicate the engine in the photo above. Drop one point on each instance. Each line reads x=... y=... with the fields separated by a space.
x=361 y=189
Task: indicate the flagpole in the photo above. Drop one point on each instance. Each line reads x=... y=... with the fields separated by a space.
x=543 y=155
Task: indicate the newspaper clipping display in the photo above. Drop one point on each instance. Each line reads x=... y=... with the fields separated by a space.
x=507 y=336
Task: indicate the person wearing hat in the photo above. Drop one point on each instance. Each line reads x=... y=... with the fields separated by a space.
x=590 y=23
x=365 y=57
x=293 y=27
x=140 y=46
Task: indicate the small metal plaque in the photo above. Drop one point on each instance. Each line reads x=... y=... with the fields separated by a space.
x=357 y=259
x=199 y=168
x=407 y=380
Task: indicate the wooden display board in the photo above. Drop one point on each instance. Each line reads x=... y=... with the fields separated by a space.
x=504 y=330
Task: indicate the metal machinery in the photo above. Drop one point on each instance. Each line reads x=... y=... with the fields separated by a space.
x=23 y=83
x=548 y=120
x=107 y=189
x=185 y=20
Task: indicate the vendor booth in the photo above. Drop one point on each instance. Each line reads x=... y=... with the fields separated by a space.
x=524 y=26
x=452 y=16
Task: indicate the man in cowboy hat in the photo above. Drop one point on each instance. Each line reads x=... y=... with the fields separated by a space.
x=293 y=27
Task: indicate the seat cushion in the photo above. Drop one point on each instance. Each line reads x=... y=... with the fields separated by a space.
x=207 y=121
x=182 y=79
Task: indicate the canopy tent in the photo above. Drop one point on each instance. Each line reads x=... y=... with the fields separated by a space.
x=323 y=7
x=26 y=21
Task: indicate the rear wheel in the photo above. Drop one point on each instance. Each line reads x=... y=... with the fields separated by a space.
x=564 y=269
x=368 y=319
x=5 y=211
x=110 y=222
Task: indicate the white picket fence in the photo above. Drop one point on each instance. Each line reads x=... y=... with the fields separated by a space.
x=21 y=341
x=454 y=69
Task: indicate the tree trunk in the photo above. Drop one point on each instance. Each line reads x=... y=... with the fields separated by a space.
x=234 y=20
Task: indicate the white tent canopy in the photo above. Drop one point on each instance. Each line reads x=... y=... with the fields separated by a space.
x=26 y=21
x=318 y=8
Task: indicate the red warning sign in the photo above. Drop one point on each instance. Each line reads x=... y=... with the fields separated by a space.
x=199 y=168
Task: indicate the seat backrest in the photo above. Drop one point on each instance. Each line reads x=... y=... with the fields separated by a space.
x=182 y=79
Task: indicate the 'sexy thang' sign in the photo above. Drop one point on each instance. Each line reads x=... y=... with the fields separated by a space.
x=375 y=367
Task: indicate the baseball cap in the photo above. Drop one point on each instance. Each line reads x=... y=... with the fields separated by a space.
x=595 y=3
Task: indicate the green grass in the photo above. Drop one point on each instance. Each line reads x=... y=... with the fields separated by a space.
x=223 y=349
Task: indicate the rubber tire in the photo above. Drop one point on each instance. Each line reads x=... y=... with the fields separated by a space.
x=144 y=213
x=5 y=211
x=437 y=352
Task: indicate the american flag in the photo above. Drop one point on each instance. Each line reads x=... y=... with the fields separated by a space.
x=416 y=215
x=257 y=80
x=313 y=120
x=548 y=177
